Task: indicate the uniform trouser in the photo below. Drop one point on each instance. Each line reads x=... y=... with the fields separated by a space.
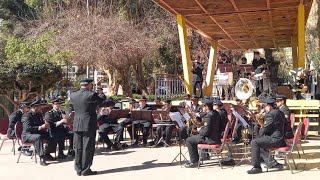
x=183 y=132
x=259 y=149
x=192 y=144
x=70 y=138
x=238 y=134
x=145 y=126
x=195 y=85
x=259 y=87
x=59 y=138
x=38 y=143
x=103 y=132
x=164 y=131
x=84 y=143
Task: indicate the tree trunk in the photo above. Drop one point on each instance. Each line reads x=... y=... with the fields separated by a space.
x=6 y=110
x=124 y=79
x=112 y=83
x=140 y=80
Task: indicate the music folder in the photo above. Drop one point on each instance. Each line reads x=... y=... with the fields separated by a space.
x=145 y=115
x=248 y=68
x=243 y=121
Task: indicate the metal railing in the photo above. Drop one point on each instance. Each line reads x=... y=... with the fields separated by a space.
x=169 y=86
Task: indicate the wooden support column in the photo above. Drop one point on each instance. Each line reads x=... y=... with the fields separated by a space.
x=301 y=36
x=211 y=68
x=185 y=53
x=294 y=45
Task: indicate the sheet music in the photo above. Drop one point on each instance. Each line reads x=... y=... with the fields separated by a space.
x=176 y=116
x=186 y=116
x=243 y=121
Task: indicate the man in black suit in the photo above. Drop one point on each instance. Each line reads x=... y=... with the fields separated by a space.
x=144 y=125
x=209 y=133
x=197 y=77
x=106 y=125
x=270 y=136
x=57 y=119
x=281 y=103
x=259 y=65
x=85 y=102
x=35 y=130
x=101 y=94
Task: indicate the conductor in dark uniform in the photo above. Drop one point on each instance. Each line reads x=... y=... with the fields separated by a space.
x=209 y=133
x=270 y=136
x=281 y=103
x=85 y=102
x=197 y=77
x=35 y=130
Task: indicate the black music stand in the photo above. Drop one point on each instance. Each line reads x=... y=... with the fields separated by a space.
x=180 y=154
x=140 y=115
x=161 y=118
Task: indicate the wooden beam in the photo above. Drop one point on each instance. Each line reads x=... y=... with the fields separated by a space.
x=271 y=24
x=185 y=53
x=243 y=11
x=188 y=22
x=211 y=68
x=200 y=5
x=294 y=45
x=301 y=36
x=252 y=37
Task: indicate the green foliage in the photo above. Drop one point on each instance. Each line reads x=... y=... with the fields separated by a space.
x=33 y=49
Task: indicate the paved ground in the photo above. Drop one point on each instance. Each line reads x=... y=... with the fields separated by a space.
x=149 y=163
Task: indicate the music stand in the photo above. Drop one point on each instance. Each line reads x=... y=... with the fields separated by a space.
x=247 y=68
x=246 y=127
x=161 y=118
x=140 y=116
x=225 y=68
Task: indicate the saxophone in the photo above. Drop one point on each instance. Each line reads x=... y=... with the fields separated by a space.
x=193 y=121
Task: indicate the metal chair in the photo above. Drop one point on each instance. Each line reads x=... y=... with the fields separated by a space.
x=215 y=149
x=24 y=145
x=4 y=124
x=287 y=150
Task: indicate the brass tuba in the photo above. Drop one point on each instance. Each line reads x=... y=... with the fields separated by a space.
x=244 y=89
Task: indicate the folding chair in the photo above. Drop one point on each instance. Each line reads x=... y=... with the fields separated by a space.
x=287 y=150
x=292 y=120
x=4 y=124
x=215 y=149
x=24 y=145
x=305 y=128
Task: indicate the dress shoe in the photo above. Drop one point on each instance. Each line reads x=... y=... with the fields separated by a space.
x=19 y=148
x=48 y=157
x=43 y=162
x=275 y=166
x=191 y=165
x=255 y=170
x=27 y=153
x=89 y=173
x=71 y=153
x=62 y=156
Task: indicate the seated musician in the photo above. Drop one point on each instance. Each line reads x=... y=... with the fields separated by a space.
x=209 y=133
x=69 y=131
x=281 y=103
x=107 y=125
x=218 y=106
x=165 y=131
x=185 y=132
x=57 y=119
x=270 y=136
x=158 y=101
x=141 y=124
x=35 y=130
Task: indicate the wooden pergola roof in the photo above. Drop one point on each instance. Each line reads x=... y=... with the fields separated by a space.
x=241 y=24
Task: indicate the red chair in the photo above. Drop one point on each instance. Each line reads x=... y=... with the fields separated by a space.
x=215 y=149
x=24 y=145
x=4 y=124
x=287 y=150
x=292 y=120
